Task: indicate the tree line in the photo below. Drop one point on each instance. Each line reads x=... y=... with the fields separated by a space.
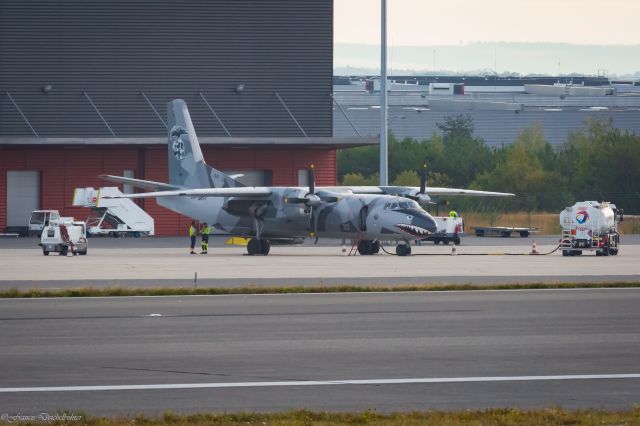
x=597 y=162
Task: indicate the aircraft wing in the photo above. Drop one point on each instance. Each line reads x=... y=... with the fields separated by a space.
x=469 y=192
x=355 y=189
x=139 y=183
x=245 y=191
x=414 y=190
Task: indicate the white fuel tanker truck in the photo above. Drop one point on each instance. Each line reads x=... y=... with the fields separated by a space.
x=590 y=225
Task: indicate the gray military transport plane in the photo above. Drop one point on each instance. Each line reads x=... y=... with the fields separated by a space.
x=281 y=215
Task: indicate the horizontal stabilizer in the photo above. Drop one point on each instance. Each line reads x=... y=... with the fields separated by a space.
x=139 y=183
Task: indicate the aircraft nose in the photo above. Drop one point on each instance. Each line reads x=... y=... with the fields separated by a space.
x=424 y=221
x=420 y=222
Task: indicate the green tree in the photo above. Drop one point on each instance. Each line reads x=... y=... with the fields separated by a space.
x=463 y=156
x=357 y=179
x=364 y=160
x=407 y=178
x=526 y=169
x=457 y=126
x=601 y=162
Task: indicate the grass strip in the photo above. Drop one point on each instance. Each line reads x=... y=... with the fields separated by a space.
x=14 y=293
x=494 y=416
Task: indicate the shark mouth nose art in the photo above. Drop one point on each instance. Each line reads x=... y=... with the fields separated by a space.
x=412 y=230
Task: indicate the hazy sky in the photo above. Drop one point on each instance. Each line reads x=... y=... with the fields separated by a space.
x=424 y=22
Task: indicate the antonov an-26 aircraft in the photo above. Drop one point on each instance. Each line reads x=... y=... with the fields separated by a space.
x=282 y=215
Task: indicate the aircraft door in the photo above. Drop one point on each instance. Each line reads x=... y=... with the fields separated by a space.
x=364 y=212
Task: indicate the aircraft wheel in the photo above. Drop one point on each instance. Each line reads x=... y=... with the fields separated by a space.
x=365 y=247
x=375 y=247
x=403 y=249
x=264 y=247
x=254 y=247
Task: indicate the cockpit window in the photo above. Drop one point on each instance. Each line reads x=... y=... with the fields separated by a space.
x=408 y=204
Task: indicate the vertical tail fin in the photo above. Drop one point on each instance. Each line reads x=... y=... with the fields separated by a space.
x=186 y=163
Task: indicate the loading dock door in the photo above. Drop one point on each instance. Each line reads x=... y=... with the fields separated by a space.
x=23 y=197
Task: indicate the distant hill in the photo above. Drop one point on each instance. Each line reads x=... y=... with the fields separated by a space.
x=621 y=61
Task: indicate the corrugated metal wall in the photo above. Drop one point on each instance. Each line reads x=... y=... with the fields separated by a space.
x=497 y=128
x=64 y=168
x=116 y=49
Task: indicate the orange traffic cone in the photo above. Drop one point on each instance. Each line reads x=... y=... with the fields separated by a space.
x=454 y=252
x=534 y=249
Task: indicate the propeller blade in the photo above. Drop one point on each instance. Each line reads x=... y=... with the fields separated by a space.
x=423 y=179
x=295 y=200
x=330 y=199
x=310 y=200
x=311 y=177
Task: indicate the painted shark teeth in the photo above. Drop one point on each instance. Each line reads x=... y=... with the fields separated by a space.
x=415 y=231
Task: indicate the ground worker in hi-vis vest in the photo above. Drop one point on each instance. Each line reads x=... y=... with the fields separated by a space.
x=193 y=233
x=453 y=214
x=206 y=230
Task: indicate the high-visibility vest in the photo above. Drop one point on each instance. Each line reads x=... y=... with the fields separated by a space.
x=192 y=231
x=206 y=230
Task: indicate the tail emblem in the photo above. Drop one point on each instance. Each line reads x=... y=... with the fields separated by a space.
x=178 y=143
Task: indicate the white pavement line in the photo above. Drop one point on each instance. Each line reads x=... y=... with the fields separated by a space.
x=321 y=383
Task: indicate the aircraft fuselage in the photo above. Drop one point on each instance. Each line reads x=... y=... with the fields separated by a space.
x=360 y=216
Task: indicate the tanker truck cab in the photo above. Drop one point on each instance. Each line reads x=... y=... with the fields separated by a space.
x=64 y=236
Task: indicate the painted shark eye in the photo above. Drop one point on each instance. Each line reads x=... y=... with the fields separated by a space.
x=409 y=217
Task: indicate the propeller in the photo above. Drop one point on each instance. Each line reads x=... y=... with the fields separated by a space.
x=311 y=199
x=421 y=197
x=423 y=179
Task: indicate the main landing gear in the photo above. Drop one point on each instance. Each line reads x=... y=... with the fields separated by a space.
x=366 y=247
x=258 y=246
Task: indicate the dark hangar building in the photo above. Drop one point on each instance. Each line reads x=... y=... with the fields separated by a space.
x=84 y=87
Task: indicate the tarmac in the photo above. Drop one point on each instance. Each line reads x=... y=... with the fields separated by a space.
x=338 y=352
x=166 y=262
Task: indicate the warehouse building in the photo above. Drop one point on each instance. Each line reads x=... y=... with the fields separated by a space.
x=83 y=89
x=501 y=107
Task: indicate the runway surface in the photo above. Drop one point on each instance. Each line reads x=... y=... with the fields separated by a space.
x=158 y=262
x=405 y=351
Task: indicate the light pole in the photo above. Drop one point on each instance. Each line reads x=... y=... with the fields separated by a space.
x=384 y=167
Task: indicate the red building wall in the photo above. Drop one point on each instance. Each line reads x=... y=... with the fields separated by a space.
x=64 y=168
